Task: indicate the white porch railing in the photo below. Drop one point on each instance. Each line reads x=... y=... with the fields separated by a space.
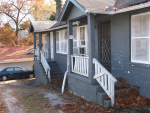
x=80 y=65
x=45 y=65
x=45 y=52
x=105 y=79
x=36 y=54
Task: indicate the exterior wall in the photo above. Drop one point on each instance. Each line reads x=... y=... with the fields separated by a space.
x=24 y=64
x=61 y=59
x=73 y=13
x=40 y=76
x=133 y=73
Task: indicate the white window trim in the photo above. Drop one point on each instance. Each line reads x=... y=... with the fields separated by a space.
x=140 y=61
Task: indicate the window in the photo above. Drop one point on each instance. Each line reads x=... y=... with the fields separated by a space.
x=10 y=69
x=82 y=36
x=140 y=34
x=61 y=41
x=18 y=69
x=75 y=41
x=80 y=41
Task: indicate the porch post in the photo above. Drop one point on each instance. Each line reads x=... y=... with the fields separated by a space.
x=49 y=45
x=40 y=46
x=91 y=36
x=34 y=35
x=70 y=45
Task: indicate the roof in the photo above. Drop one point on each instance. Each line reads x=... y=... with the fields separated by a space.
x=15 y=54
x=95 y=4
x=124 y=3
x=100 y=6
x=38 y=26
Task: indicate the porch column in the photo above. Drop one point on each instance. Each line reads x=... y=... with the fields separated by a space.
x=40 y=46
x=34 y=35
x=49 y=46
x=91 y=36
x=70 y=45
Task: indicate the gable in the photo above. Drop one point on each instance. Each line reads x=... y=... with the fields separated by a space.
x=75 y=12
x=66 y=10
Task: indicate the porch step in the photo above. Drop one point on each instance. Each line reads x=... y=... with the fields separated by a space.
x=56 y=73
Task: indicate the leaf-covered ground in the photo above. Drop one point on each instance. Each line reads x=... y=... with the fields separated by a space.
x=27 y=97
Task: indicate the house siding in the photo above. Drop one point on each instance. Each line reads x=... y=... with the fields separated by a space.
x=134 y=74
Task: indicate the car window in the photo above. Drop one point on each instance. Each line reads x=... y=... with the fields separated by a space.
x=10 y=69
x=18 y=69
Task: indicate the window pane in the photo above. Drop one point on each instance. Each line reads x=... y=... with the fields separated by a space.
x=57 y=36
x=18 y=69
x=75 y=34
x=10 y=69
x=140 y=49
x=74 y=43
x=66 y=34
x=145 y=28
x=62 y=47
x=82 y=42
x=82 y=33
x=140 y=25
x=75 y=51
x=65 y=47
x=57 y=46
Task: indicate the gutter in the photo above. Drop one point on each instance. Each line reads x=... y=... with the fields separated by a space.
x=131 y=8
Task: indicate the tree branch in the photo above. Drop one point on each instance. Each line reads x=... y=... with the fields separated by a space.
x=23 y=18
x=10 y=16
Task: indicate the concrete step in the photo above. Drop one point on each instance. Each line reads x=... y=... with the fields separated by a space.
x=118 y=83
x=56 y=70
x=52 y=62
x=102 y=95
x=107 y=103
x=56 y=79
x=52 y=72
x=57 y=76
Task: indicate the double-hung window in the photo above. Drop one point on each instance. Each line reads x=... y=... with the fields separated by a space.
x=61 y=41
x=80 y=40
x=140 y=38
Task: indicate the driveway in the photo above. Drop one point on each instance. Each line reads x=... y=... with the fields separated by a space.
x=21 y=96
x=24 y=96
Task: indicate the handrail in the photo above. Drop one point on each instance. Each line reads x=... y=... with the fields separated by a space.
x=45 y=65
x=108 y=73
x=105 y=79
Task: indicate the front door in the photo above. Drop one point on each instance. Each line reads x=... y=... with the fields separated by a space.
x=51 y=45
x=105 y=45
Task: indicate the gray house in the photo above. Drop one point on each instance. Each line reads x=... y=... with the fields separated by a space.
x=97 y=41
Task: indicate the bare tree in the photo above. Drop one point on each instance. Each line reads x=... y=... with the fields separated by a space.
x=16 y=10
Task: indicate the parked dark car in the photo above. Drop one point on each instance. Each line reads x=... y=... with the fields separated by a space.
x=15 y=72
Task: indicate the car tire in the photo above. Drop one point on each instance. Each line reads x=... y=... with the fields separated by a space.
x=31 y=76
x=4 y=78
